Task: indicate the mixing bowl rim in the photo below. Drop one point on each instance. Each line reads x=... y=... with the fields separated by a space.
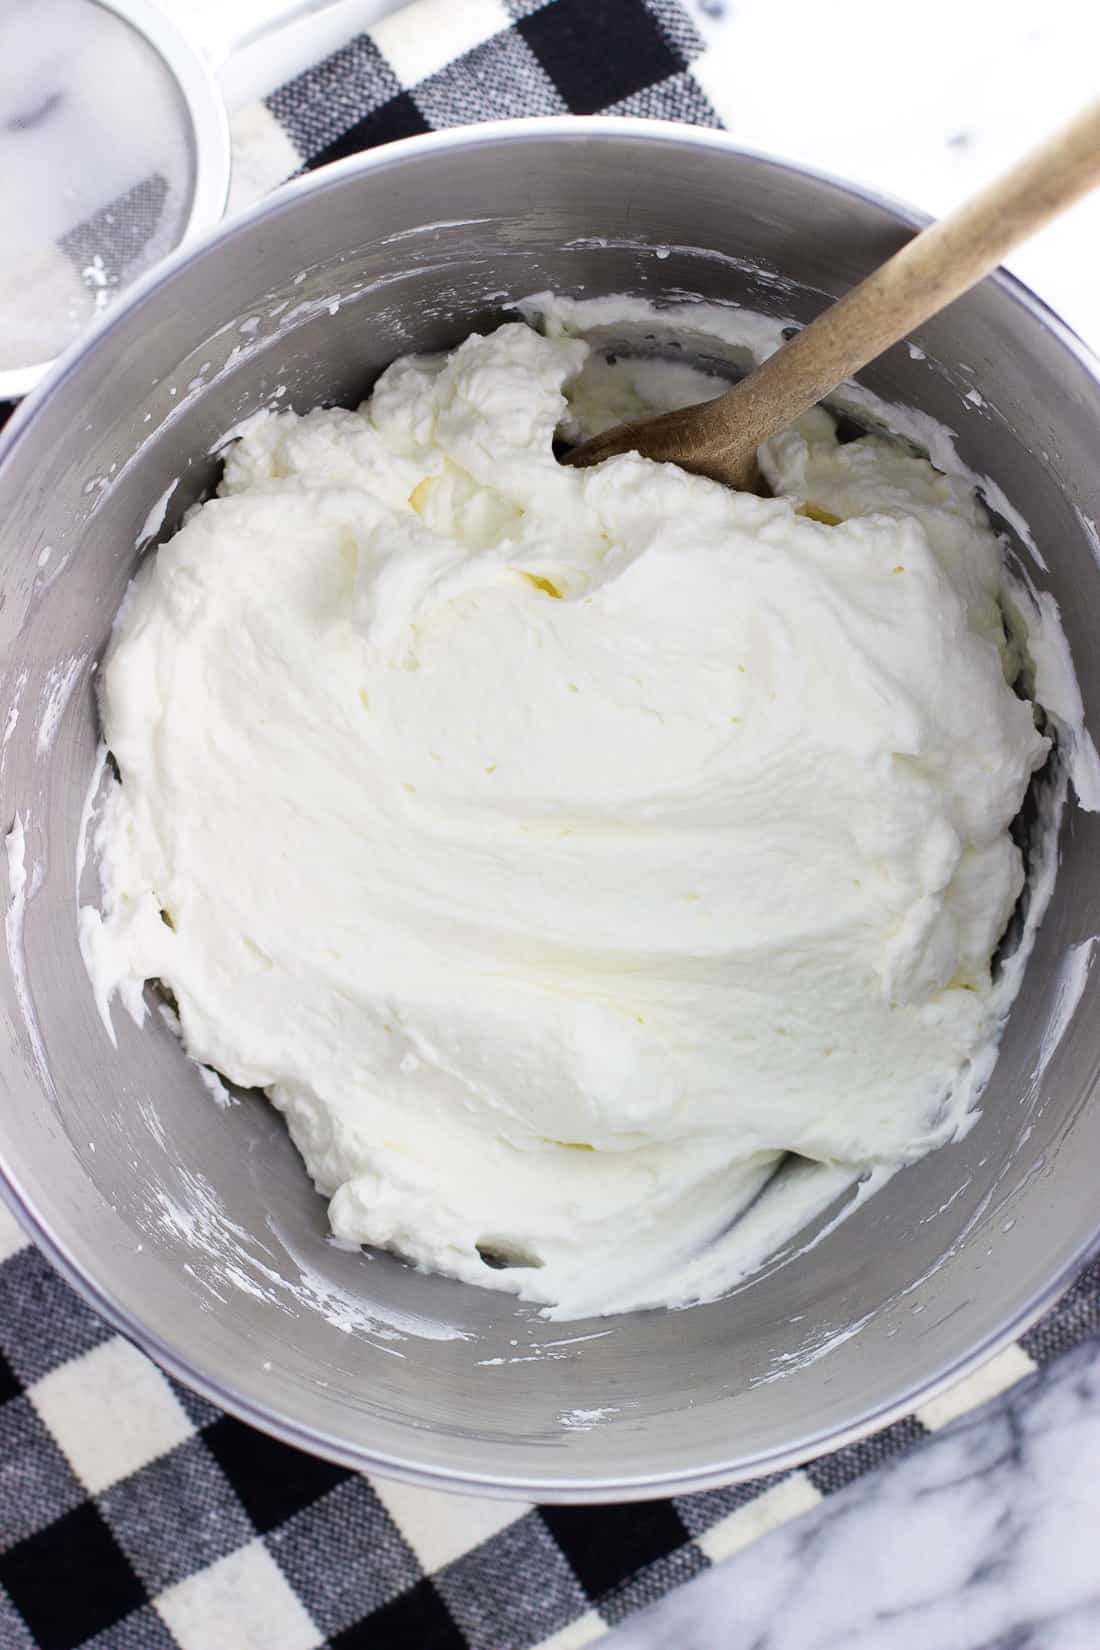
x=558 y=1491
x=638 y=1486
x=535 y=129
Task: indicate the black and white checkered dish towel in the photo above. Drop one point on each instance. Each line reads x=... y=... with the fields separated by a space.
x=133 y=1514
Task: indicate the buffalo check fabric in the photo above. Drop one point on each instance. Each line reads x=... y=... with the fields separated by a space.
x=440 y=63
x=133 y=1514
x=136 y=1516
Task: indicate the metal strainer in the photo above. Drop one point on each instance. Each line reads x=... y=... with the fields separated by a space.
x=114 y=150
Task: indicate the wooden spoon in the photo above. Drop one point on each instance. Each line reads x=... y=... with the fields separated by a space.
x=720 y=438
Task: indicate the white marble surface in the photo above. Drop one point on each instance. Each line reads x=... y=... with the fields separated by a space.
x=985 y=1538
x=924 y=103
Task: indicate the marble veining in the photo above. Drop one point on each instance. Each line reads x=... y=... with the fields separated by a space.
x=983 y=1538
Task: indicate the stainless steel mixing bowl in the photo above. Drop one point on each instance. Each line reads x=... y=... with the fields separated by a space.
x=194 y=1229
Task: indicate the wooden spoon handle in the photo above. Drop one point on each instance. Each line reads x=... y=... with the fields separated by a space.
x=720 y=438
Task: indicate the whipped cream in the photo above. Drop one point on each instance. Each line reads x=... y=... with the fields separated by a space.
x=562 y=849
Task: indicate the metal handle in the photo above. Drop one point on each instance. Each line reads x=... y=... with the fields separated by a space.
x=248 y=22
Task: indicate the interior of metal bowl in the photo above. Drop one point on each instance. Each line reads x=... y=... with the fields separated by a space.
x=194 y=1227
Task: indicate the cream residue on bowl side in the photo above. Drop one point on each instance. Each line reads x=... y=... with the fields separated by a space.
x=493 y=1004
